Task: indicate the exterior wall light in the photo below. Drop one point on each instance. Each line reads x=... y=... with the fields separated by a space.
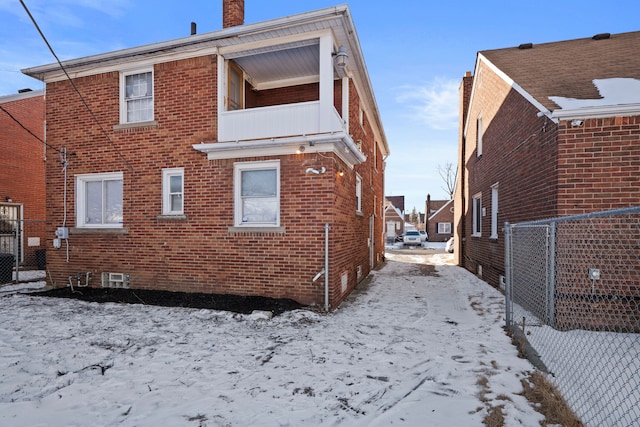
x=340 y=58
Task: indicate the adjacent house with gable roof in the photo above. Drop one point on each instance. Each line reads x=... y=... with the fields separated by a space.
x=243 y=161
x=547 y=130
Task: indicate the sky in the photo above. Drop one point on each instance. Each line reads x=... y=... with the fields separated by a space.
x=416 y=53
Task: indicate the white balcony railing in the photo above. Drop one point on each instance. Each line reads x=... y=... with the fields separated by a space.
x=305 y=118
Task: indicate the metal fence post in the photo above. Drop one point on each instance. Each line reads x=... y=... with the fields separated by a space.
x=551 y=279
x=507 y=272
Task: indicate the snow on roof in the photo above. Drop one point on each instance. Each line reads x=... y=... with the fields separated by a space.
x=614 y=91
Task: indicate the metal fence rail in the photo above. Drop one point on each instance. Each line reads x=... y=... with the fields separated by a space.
x=22 y=247
x=573 y=292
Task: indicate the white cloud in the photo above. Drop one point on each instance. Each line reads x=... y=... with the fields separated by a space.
x=435 y=104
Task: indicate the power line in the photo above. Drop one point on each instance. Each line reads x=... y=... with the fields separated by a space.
x=27 y=129
x=73 y=84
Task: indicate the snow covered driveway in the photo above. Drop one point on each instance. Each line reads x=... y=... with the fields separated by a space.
x=417 y=346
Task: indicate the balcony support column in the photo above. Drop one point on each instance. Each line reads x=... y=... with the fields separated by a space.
x=326 y=82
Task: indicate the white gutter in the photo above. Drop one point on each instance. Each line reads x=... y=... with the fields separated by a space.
x=597 y=112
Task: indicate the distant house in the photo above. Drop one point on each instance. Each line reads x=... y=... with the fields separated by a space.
x=398 y=202
x=394 y=221
x=439 y=222
x=547 y=130
x=22 y=180
x=223 y=162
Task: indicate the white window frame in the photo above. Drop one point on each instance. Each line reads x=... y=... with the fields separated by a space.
x=477 y=215
x=358 y=193
x=167 y=174
x=494 y=211
x=123 y=94
x=240 y=167
x=444 y=228
x=81 y=199
x=479 y=131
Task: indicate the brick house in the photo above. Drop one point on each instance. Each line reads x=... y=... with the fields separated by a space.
x=22 y=180
x=220 y=162
x=547 y=130
x=439 y=219
x=393 y=220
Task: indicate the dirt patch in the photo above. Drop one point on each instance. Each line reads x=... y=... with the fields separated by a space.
x=233 y=303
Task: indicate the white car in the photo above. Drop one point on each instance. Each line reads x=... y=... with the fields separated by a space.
x=449 y=246
x=423 y=236
x=412 y=237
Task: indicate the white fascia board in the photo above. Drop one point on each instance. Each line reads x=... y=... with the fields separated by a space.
x=509 y=81
x=23 y=95
x=440 y=210
x=597 y=112
x=339 y=143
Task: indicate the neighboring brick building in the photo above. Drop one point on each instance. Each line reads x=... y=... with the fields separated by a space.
x=393 y=220
x=548 y=130
x=22 y=181
x=439 y=222
x=218 y=160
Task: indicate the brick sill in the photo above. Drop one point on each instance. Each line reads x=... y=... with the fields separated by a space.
x=171 y=217
x=152 y=124
x=77 y=230
x=257 y=230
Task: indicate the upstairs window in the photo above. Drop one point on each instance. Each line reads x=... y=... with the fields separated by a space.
x=479 y=137
x=172 y=191
x=136 y=96
x=257 y=194
x=99 y=200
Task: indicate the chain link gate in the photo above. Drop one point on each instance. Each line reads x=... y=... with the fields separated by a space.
x=573 y=293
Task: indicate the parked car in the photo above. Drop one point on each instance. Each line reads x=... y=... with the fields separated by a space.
x=449 y=246
x=412 y=237
x=423 y=236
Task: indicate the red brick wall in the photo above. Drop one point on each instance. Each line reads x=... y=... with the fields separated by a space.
x=598 y=165
x=200 y=253
x=519 y=153
x=22 y=163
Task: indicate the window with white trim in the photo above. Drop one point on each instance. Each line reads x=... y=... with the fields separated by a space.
x=444 y=228
x=358 y=193
x=477 y=215
x=173 y=191
x=479 y=136
x=257 y=194
x=136 y=96
x=99 y=200
x=494 y=211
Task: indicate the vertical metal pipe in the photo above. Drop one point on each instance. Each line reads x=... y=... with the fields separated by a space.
x=326 y=266
x=507 y=272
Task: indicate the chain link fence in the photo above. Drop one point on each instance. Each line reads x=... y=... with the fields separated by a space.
x=573 y=296
x=22 y=248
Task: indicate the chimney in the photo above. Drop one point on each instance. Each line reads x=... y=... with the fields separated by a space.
x=232 y=13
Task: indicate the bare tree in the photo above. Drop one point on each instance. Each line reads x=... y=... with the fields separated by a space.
x=448 y=173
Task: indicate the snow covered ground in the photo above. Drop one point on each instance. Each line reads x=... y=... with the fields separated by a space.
x=413 y=347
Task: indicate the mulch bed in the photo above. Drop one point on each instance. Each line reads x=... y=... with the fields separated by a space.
x=233 y=303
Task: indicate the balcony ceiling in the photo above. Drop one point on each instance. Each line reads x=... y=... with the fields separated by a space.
x=291 y=62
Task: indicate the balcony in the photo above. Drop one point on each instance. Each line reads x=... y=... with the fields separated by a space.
x=280 y=121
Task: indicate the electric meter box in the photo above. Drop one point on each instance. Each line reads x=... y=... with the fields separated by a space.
x=62 y=232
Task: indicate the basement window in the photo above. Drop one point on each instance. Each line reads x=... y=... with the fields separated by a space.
x=115 y=280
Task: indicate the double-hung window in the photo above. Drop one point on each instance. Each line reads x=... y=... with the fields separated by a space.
x=99 y=200
x=136 y=96
x=444 y=228
x=173 y=191
x=477 y=215
x=257 y=194
x=358 y=193
x=494 y=211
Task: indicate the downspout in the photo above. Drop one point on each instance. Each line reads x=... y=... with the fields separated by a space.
x=326 y=266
